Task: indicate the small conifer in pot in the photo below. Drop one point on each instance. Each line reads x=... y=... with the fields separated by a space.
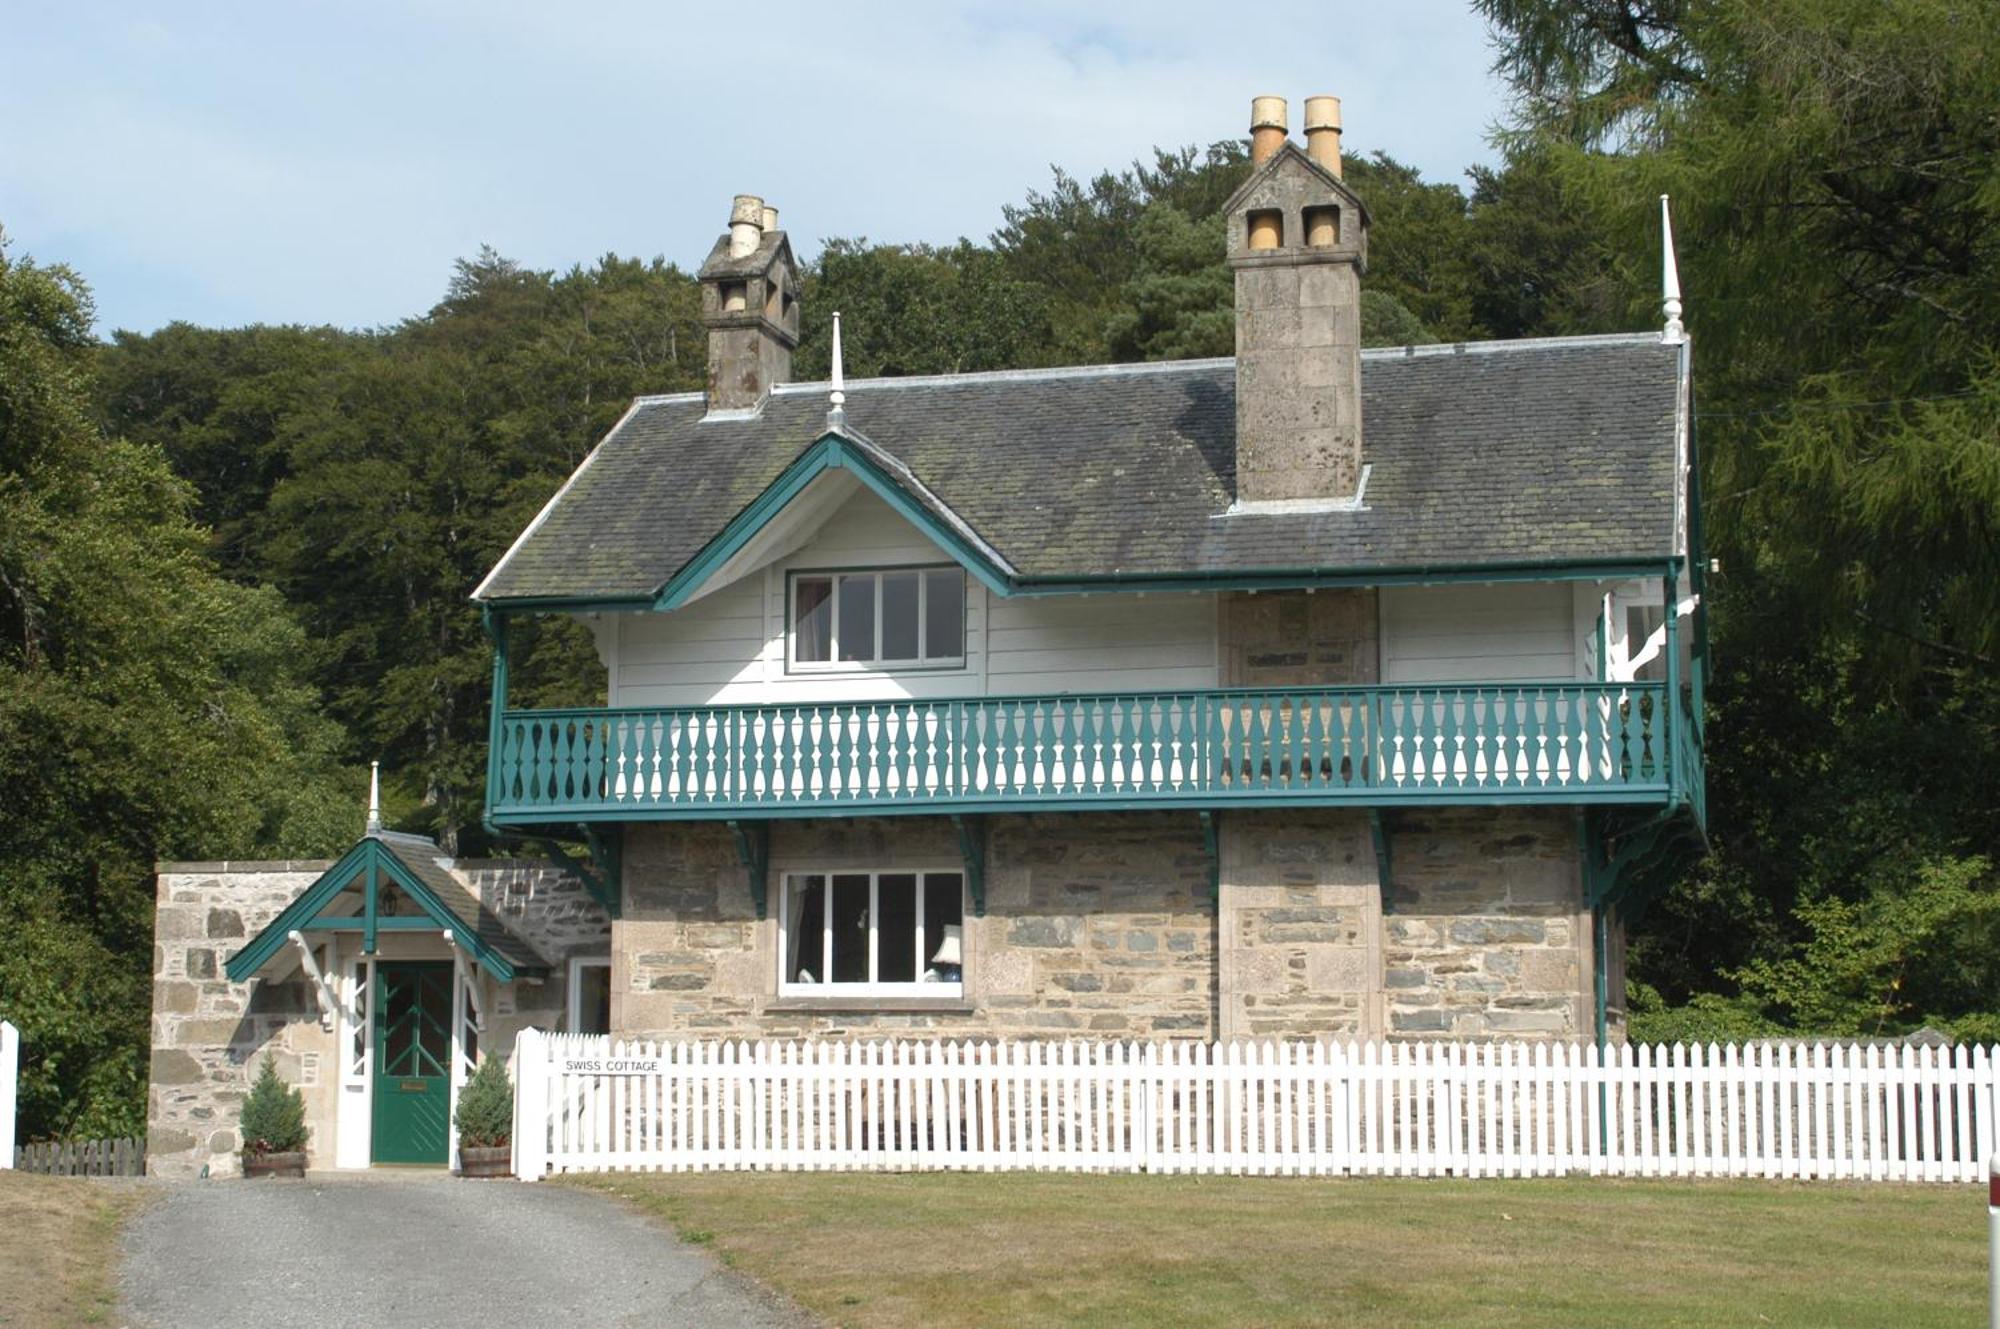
x=486 y=1122
x=273 y=1126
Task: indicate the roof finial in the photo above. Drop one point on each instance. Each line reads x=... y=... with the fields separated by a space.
x=836 y=413
x=374 y=798
x=1670 y=279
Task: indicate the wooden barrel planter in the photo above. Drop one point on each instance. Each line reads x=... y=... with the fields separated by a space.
x=494 y=1162
x=274 y=1165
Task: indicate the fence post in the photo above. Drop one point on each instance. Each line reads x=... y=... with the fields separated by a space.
x=531 y=1105
x=10 y=1070
x=1993 y=1242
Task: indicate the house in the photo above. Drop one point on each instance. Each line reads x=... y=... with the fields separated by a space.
x=1319 y=691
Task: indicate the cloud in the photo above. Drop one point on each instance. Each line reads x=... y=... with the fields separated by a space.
x=238 y=162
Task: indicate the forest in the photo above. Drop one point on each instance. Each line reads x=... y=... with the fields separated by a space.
x=235 y=562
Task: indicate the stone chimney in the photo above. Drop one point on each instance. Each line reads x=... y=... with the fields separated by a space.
x=750 y=305
x=1298 y=244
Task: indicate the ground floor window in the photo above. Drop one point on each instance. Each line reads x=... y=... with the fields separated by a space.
x=590 y=995
x=872 y=933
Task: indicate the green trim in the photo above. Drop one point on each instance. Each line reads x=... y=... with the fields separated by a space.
x=831 y=453
x=495 y=624
x=355 y=924
x=1256 y=579
x=1378 y=831
x=607 y=854
x=372 y=859
x=753 y=848
x=1211 y=841
x=1279 y=579
x=972 y=848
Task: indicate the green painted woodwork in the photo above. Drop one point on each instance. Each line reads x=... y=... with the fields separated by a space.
x=412 y=1107
x=372 y=861
x=1571 y=743
x=971 y=830
x=832 y=453
x=1378 y=831
x=333 y=923
x=753 y=848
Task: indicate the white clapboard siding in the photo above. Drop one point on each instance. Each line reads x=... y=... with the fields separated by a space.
x=1814 y=1112
x=728 y=647
x=1486 y=632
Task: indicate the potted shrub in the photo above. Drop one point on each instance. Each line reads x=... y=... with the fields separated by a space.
x=274 y=1126
x=486 y=1122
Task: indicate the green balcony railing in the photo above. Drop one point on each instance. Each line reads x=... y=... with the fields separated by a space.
x=1457 y=743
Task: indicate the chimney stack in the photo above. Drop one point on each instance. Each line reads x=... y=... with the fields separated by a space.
x=749 y=303
x=1298 y=244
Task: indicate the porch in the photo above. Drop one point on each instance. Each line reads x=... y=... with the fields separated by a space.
x=1566 y=743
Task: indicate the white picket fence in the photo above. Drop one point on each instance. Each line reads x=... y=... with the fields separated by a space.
x=590 y=1103
x=10 y=1084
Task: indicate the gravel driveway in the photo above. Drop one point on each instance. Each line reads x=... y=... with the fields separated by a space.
x=423 y=1248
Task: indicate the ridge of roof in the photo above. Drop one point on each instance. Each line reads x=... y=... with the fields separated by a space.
x=1145 y=367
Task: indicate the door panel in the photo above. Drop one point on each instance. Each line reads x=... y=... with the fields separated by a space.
x=412 y=1062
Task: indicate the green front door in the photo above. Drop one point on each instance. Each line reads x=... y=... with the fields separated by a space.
x=412 y=1062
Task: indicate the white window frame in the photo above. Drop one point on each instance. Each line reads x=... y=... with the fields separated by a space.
x=928 y=946
x=875 y=661
x=573 y=1006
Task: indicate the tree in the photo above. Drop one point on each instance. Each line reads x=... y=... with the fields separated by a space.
x=148 y=709
x=1831 y=166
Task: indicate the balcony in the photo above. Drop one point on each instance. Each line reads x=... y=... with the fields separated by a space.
x=1561 y=743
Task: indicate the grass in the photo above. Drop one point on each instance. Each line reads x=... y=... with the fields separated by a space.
x=59 y=1248
x=1026 y=1249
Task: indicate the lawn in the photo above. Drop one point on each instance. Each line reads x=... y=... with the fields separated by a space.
x=951 y=1249
x=59 y=1248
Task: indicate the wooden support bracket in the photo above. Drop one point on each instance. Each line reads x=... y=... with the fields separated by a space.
x=1378 y=828
x=972 y=848
x=753 y=847
x=1211 y=839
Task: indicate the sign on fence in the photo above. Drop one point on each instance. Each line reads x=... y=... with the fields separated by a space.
x=1461 y=1109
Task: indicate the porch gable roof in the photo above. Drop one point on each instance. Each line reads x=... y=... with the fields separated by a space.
x=416 y=865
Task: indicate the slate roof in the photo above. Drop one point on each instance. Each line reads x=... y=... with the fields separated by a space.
x=1534 y=451
x=427 y=863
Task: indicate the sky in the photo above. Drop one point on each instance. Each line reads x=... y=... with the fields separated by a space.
x=309 y=162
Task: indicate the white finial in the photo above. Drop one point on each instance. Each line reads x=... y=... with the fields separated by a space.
x=1670 y=279
x=374 y=797
x=836 y=413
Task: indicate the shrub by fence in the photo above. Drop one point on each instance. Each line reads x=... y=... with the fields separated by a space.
x=591 y=1103
x=84 y=1158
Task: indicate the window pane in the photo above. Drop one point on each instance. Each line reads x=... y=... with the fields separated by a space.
x=850 y=928
x=812 y=637
x=805 y=930
x=944 y=614
x=899 y=616
x=944 y=927
x=857 y=617
x=896 y=933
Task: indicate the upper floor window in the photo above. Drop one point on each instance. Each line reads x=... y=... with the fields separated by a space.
x=894 y=617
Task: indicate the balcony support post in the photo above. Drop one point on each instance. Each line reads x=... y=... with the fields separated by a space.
x=1211 y=838
x=972 y=848
x=1676 y=778
x=495 y=624
x=602 y=876
x=1378 y=829
x=753 y=847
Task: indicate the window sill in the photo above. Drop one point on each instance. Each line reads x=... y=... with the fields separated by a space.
x=831 y=1005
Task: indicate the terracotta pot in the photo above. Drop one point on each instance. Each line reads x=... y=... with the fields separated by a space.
x=274 y=1165
x=494 y=1162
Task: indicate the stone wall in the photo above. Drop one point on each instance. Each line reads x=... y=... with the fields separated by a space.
x=1489 y=934
x=209 y=1035
x=1097 y=925
x=1300 y=921
x=1100 y=925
